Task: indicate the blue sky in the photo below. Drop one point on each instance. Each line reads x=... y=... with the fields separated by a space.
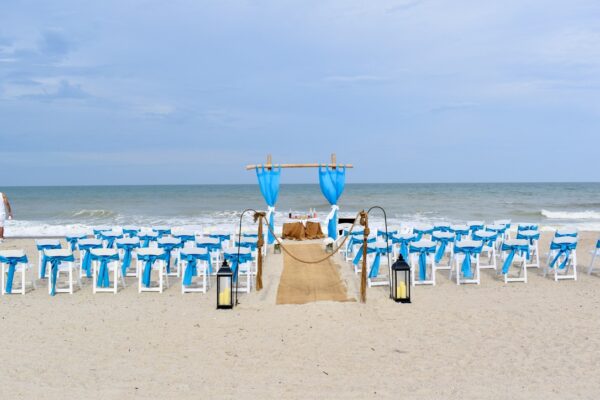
x=117 y=92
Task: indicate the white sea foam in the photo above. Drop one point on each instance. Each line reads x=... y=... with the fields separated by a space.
x=571 y=215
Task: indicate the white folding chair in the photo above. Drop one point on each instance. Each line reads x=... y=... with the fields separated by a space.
x=21 y=266
x=63 y=266
x=42 y=245
x=155 y=265
x=113 y=267
x=488 y=238
x=202 y=269
x=533 y=238
x=462 y=250
x=422 y=261
x=445 y=246
x=563 y=258
x=595 y=252
x=128 y=245
x=515 y=251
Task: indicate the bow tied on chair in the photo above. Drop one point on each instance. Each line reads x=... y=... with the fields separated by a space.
x=54 y=263
x=513 y=249
x=12 y=265
x=564 y=249
x=468 y=252
x=149 y=259
x=191 y=269
x=103 y=279
x=423 y=251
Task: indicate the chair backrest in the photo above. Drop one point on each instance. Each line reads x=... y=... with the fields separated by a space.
x=104 y=252
x=423 y=243
x=566 y=232
x=208 y=240
x=440 y=235
x=564 y=239
x=90 y=242
x=12 y=253
x=150 y=251
x=47 y=242
x=475 y=225
x=527 y=227
x=168 y=240
x=194 y=251
x=514 y=243
x=133 y=241
x=58 y=252
x=242 y=250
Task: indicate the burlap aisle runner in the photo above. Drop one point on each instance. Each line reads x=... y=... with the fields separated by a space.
x=305 y=283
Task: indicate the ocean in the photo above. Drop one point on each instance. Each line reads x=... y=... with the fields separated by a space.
x=56 y=211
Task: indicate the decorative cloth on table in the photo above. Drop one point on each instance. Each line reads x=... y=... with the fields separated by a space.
x=234 y=260
x=130 y=231
x=55 y=259
x=268 y=180
x=46 y=245
x=332 y=182
x=379 y=249
x=566 y=233
x=529 y=235
x=168 y=245
x=442 y=238
x=161 y=231
x=422 y=248
x=421 y=231
x=563 y=246
x=99 y=230
x=404 y=239
x=527 y=227
x=127 y=245
x=488 y=238
x=293 y=231
x=12 y=261
x=460 y=231
x=185 y=237
x=520 y=246
x=73 y=239
x=191 y=257
x=104 y=257
x=85 y=247
x=110 y=237
x=147 y=237
x=468 y=248
x=149 y=259
x=313 y=230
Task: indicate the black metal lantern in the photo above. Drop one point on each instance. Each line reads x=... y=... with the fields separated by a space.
x=225 y=287
x=401 y=284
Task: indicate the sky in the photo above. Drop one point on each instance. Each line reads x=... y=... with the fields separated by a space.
x=187 y=92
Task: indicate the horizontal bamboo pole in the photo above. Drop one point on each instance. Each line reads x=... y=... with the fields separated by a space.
x=315 y=165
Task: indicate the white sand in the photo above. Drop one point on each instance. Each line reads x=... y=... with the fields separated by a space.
x=518 y=341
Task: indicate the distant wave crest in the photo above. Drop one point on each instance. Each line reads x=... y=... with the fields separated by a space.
x=94 y=214
x=570 y=215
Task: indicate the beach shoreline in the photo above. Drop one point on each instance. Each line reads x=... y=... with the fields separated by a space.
x=492 y=340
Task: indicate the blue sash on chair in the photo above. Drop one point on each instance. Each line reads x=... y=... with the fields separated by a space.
x=191 y=269
x=127 y=253
x=54 y=263
x=86 y=261
x=168 y=248
x=513 y=248
x=103 y=279
x=12 y=265
x=564 y=249
x=468 y=252
x=149 y=259
x=42 y=247
x=423 y=252
x=234 y=261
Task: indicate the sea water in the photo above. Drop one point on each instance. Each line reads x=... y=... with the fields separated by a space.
x=56 y=211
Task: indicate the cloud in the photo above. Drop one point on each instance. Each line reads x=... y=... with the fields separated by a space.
x=64 y=90
x=453 y=107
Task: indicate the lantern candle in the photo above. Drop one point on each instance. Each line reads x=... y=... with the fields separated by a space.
x=401 y=290
x=225 y=296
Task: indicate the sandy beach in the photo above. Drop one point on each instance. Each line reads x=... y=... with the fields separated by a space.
x=523 y=341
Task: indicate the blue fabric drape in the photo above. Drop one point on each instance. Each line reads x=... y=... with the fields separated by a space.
x=42 y=247
x=468 y=252
x=168 y=248
x=221 y=236
x=86 y=261
x=191 y=270
x=420 y=232
x=379 y=251
x=12 y=265
x=513 y=249
x=72 y=240
x=103 y=280
x=146 y=238
x=268 y=180
x=130 y=232
x=423 y=252
x=564 y=249
x=54 y=263
x=404 y=241
x=234 y=261
x=149 y=260
x=127 y=251
x=332 y=182
x=443 y=243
